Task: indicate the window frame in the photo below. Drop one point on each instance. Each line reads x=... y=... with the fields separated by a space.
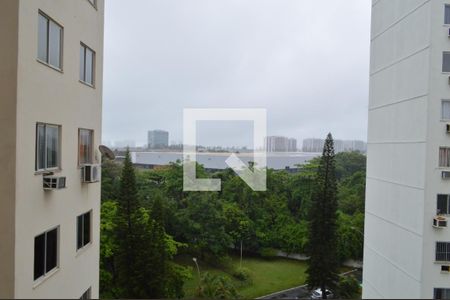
x=61 y=43
x=442 y=110
x=447 y=212
x=446 y=6
x=83 y=244
x=47 y=273
x=59 y=150
x=444 y=54
x=94 y=61
x=446 y=253
x=436 y=290
x=442 y=158
x=81 y=164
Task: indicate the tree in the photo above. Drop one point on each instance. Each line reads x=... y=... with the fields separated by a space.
x=324 y=262
x=142 y=256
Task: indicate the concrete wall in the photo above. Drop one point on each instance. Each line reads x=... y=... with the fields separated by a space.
x=397 y=149
x=8 y=88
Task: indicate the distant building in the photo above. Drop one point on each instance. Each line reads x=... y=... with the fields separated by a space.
x=316 y=145
x=313 y=145
x=158 y=139
x=292 y=145
x=276 y=144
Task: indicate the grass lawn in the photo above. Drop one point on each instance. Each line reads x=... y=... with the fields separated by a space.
x=268 y=275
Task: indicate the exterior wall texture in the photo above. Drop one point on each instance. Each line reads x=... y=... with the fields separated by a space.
x=8 y=88
x=46 y=95
x=405 y=133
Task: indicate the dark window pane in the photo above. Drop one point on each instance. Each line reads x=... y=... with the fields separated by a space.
x=87 y=229
x=42 y=38
x=40 y=147
x=55 y=33
x=442 y=204
x=447 y=14
x=52 y=138
x=39 y=256
x=89 y=66
x=82 y=61
x=446 y=62
x=52 y=250
x=79 y=232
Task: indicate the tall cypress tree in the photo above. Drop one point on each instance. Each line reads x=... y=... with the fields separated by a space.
x=126 y=220
x=323 y=266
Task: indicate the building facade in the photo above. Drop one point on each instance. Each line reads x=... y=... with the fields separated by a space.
x=158 y=139
x=407 y=241
x=51 y=103
x=280 y=144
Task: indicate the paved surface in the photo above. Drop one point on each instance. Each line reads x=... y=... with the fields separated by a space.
x=301 y=292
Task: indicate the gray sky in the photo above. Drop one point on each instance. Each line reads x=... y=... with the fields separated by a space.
x=305 y=61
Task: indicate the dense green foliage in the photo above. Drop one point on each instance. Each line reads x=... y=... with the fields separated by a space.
x=209 y=225
x=136 y=252
x=349 y=287
x=323 y=264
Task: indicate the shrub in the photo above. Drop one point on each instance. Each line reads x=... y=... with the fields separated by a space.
x=242 y=274
x=213 y=286
x=349 y=287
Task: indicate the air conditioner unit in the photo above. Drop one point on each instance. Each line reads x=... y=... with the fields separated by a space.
x=440 y=222
x=52 y=183
x=91 y=173
x=445 y=174
x=445 y=269
x=448 y=128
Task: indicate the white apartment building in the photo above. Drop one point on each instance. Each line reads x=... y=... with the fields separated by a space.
x=407 y=240
x=50 y=115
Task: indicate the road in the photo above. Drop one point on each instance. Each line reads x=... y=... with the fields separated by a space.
x=301 y=292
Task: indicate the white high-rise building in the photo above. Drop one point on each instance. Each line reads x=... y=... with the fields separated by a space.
x=407 y=241
x=50 y=115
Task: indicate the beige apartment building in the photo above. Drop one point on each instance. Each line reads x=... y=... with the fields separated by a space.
x=50 y=119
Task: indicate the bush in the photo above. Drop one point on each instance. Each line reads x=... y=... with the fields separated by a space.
x=213 y=286
x=242 y=274
x=349 y=287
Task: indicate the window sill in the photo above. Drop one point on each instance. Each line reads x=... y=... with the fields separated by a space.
x=44 y=278
x=83 y=249
x=43 y=172
x=87 y=84
x=50 y=66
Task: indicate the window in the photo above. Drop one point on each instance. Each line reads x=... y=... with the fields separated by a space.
x=83 y=230
x=85 y=145
x=447 y=15
x=446 y=62
x=49 y=41
x=445 y=110
x=441 y=293
x=87 y=62
x=444 y=157
x=442 y=251
x=45 y=253
x=86 y=295
x=47 y=147
x=443 y=206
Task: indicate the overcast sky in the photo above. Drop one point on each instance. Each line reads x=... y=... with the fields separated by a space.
x=305 y=61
